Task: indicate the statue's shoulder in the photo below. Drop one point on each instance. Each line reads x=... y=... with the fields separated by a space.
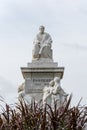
x=47 y=34
x=38 y=34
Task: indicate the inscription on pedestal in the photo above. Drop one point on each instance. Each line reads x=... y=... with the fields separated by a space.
x=40 y=82
x=36 y=84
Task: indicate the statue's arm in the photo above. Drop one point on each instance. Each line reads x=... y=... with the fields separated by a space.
x=36 y=40
x=49 y=41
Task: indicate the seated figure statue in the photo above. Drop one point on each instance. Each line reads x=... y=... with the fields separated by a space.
x=42 y=45
x=54 y=93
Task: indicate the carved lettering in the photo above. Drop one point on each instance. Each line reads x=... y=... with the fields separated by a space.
x=39 y=81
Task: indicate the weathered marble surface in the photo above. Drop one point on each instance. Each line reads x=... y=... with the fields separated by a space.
x=50 y=93
x=38 y=74
x=54 y=92
x=43 y=63
x=42 y=45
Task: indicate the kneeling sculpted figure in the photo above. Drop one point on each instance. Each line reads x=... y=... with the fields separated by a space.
x=42 y=45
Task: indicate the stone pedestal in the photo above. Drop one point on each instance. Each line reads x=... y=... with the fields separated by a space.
x=38 y=74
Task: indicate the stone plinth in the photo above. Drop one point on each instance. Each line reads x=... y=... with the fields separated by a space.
x=38 y=74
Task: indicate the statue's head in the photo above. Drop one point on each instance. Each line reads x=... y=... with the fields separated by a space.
x=57 y=79
x=51 y=83
x=41 y=29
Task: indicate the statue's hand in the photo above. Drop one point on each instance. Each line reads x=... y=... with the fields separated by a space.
x=36 y=42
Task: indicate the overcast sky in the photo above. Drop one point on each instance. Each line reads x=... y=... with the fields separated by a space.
x=65 y=21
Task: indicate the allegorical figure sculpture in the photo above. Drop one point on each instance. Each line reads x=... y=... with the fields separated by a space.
x=42 y=45
x=21 y=90
x=23 y=96
x=54 y=93
x=47 y=93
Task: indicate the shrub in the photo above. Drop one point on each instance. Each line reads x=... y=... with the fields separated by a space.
x=37 y=117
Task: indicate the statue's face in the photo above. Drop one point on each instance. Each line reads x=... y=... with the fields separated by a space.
x=51 y=83
x=41 y=29
x=57 y=79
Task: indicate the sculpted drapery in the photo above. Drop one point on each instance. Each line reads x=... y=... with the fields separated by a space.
x=42 y=45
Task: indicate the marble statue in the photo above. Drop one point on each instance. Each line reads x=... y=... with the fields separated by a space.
x=23 y=96
x=47 y=93
x=21 y=90
x=54 y=93
x=42 y=45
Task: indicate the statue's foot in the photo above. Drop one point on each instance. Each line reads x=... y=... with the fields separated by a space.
x=36 y=57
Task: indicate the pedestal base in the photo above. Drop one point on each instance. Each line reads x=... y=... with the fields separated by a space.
x=39 y=74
